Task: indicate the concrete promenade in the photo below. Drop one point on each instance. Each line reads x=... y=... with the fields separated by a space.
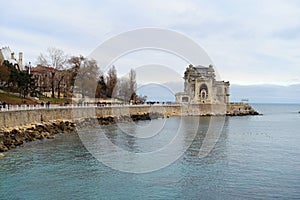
x=23 y=115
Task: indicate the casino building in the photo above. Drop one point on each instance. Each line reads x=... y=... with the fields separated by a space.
x=201 y=87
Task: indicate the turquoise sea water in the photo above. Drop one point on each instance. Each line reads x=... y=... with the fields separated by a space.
x=256 y=157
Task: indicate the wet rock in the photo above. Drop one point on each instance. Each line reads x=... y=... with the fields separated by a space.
x=63 y=127
x=31 y=127
x=3 y=148
x=146 y=116
x=50 y=137
x=16 y=136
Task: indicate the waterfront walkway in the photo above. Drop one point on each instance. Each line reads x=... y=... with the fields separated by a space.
x=58 y=106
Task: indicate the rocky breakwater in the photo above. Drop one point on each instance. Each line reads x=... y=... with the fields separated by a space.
x=91 y=122
x=15 y=136
x=240 y=109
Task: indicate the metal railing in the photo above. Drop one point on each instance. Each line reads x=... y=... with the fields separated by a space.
x=70 y=106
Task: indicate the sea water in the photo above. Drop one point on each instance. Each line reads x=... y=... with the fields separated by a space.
x=255 y=157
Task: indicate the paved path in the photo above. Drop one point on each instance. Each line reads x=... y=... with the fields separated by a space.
x=57 y=106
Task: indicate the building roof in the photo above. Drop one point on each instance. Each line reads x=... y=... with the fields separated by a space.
x=41 y=68
x=202 y=69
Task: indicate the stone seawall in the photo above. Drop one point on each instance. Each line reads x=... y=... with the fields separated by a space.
x=17 y=127
x=19 y=118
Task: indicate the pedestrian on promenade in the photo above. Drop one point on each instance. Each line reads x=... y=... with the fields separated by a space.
x=48 y=104
x=4 y=104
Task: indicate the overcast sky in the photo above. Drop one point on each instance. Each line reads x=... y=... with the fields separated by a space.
x=250 y=42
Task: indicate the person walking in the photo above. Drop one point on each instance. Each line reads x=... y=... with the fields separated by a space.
x=48 y=104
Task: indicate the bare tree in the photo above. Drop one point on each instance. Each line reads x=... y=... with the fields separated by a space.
x=55 y=59
x=60 y=81
x=111 y=81
x=132 y=84
x=75 y=62
x=87 y=73
x=68 y=81
x=126 y=87
x=122 y=90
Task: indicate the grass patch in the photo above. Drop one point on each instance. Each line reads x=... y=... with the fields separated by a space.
x=55 y=100
x=15 y=100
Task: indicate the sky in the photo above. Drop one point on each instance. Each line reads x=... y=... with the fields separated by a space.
x=253 y=93
x=249 y=42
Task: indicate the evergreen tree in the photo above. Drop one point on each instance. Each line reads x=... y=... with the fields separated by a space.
x=101 y=88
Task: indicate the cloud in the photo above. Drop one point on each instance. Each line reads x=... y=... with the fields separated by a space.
x=34 y=26
x=249 y=41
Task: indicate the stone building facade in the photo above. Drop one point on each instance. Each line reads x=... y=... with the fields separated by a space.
x=43 y=77
x=201 y=87
x=62 y=80
x=7 y=55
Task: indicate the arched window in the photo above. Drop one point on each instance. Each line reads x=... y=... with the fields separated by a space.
x=203 y=91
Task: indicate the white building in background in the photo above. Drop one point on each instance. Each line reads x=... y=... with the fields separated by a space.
x=201 y=87
x=7 y=54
